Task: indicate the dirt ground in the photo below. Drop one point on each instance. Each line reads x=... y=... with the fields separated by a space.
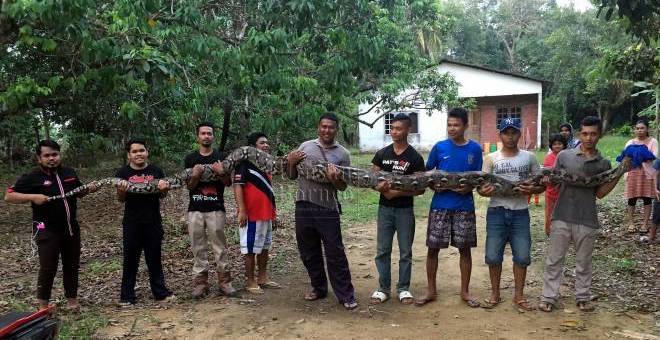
x=283 y=314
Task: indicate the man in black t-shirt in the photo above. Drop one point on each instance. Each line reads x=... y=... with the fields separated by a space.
x=54 y=224
x=395 y=212
x=142 y=227
x=206 y=215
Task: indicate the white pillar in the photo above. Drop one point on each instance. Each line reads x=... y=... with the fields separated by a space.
x=538 y=118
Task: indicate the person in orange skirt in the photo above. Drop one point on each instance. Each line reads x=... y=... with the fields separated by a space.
x=639 y=181
x=557 y=143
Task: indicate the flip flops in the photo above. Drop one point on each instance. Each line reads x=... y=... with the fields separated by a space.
x=254 y=290
x=490 y=304
x=524 y=306
x=270 y=285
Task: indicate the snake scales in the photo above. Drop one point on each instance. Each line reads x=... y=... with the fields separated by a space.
x=366 y=179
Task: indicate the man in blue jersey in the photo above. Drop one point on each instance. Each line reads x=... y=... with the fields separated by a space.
x=451 y=219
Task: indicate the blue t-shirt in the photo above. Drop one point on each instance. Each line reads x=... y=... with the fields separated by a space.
x=450 y=157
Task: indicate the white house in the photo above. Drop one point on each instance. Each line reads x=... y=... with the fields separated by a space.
x=498 y=94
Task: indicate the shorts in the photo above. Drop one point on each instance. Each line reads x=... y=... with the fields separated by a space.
x=256 y=236
x=656 y=212
x=455 y=227
x=508 y=226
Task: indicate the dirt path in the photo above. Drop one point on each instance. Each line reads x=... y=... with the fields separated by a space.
x=282 y=314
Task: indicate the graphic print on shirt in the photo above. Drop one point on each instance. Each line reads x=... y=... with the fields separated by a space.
x=205 y=193
x=399 y=166
x=141 y=178
x=513 y=169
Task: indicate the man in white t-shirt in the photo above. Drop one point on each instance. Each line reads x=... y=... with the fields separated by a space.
x=507 y=220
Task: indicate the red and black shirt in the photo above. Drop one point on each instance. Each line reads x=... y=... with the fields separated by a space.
x=57 y=215
x=258 y=195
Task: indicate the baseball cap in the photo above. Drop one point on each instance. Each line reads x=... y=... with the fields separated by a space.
x=509 y=123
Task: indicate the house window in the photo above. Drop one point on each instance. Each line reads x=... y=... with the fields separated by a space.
x=388 y=122
x=508 y=112
x=414 y=124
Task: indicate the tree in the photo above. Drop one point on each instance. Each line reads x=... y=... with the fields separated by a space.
x=102 y=71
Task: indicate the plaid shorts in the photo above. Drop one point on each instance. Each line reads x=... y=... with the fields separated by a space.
x=455 y=227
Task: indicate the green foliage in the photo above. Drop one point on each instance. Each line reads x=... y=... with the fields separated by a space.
x=99 y=72
x=639 y=17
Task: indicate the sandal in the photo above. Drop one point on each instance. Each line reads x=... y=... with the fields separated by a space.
x=405 y=297
x=424 y=300
x=254 y=290
x=472 y=302
x=545 y=306
x=490 y=304
x=350 y=305
x=270 y=285
x=524 y=306
x=632 y=228
x=313 y=296
x=379 y=297
x=585 y=306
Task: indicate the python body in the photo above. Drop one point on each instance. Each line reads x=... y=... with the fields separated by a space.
x=361 y=178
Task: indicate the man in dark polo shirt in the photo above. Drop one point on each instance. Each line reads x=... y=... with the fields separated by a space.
x=142 y=224
x=317 y=215
x=395 y=212
x=206 y=215
x=575 y=219
x=54 y=224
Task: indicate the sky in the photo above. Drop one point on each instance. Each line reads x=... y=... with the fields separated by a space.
x=579 y=5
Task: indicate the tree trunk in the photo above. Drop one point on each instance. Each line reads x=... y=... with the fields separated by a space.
x=36 y=132
x=46 y=123
x=10 y=151
x=606 y=112
x=226 y=120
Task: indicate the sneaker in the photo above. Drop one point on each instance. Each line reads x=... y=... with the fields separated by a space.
x=168 y=299
x=125 y=304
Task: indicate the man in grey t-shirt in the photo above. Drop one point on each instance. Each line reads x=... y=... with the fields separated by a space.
x=317 y=215
x=574 y=218
x=507 y=219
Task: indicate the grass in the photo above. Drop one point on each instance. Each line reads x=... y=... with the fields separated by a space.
x=102 y=267
x=82 y=326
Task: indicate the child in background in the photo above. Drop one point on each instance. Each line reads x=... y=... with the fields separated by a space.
x=557 y=143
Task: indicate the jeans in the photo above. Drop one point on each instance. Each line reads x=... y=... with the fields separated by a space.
x=508 y=226
x=402 y=222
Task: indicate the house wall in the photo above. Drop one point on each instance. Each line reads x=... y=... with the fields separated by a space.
x=489 y=88
x=431 y=128
x=475 y=82
x=488 y=121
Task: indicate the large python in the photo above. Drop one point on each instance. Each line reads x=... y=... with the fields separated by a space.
x=361 y=178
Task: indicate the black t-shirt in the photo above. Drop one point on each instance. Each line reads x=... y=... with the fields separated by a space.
x=408 y=162
x=141 y=208
x=207 y=196
x=57 y=215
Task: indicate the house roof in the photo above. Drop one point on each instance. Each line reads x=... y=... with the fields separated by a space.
x=513 y=74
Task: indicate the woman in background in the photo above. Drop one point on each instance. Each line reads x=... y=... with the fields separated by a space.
x=639 y=181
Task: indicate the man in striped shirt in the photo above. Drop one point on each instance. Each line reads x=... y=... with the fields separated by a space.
x=256 y=212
